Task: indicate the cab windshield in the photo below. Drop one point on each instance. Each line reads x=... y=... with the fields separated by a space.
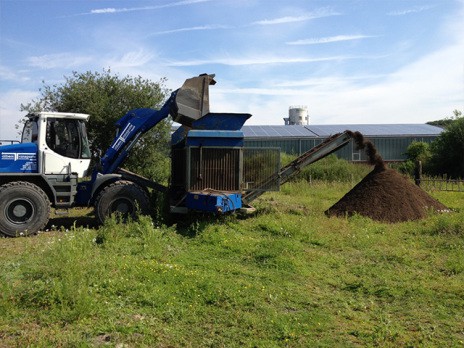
x=30 y=131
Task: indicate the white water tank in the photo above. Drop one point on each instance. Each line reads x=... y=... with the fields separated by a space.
x=297 y=115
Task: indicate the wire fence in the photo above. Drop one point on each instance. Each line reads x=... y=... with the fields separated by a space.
x=441 y=184
x=436 y=183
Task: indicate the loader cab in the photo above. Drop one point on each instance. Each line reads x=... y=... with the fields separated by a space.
x=62 y=142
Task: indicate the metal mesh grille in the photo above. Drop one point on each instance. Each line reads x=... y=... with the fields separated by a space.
x=214 y=168
x=260 y=169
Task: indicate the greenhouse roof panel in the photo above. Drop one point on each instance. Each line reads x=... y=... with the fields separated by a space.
x=323 y=131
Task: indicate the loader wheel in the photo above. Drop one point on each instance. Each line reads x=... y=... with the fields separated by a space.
x=122 y=197
x=24 y=209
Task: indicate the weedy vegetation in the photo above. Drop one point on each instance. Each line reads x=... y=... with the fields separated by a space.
x=287 y=276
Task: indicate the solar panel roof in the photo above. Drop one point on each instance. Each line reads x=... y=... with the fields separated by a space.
x=315 y=131
x=276 y=131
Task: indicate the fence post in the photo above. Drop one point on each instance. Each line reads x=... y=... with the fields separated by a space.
x=418 y=173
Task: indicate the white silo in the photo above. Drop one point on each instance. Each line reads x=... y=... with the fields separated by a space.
x=297 y=115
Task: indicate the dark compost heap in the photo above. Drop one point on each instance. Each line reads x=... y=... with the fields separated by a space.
x=384 y=194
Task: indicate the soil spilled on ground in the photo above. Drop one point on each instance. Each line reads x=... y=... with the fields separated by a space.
x=384 y=194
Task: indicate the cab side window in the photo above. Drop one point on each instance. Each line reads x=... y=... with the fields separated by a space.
x=63 y=137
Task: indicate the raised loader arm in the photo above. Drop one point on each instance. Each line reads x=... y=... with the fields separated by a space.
x=185 y=105
x=131 y=127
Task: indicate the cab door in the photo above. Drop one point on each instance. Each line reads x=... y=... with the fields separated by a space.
x=62 y=148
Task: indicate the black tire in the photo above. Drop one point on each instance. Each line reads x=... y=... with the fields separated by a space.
x=24 y=209
x=122 y=197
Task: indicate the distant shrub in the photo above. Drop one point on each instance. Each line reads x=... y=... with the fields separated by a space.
x=330 y=169
x=416 y=151
x=406 y=167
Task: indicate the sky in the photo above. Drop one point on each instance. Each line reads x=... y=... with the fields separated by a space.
x=348 y=61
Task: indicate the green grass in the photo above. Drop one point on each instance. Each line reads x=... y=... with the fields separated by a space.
x=286 y=277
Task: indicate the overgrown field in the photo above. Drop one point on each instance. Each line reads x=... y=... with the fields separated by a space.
x=287 y=276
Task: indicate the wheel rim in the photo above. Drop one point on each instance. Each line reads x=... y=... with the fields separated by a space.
x=122 y=206
x=20 y=211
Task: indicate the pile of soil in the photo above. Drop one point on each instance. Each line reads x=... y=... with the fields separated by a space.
x=384 y=194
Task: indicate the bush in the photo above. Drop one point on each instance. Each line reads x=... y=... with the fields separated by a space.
x=448 y=150
x=332 y=169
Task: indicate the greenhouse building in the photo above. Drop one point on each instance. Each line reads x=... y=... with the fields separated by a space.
x=391 y=140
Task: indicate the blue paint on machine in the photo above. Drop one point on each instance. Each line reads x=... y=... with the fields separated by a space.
x=18 y=158
x=221 y=121
x=215 y=202
x=214 y=138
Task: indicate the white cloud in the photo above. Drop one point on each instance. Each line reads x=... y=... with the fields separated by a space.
x=231 y=61
x=203 y=27
x=106 y=10
x=328 y=81
x=324 y=12
x=131 y=59
x=111 y=10
x=323 y=40
x=60 y=60
x=415 y=9
x=8 y=74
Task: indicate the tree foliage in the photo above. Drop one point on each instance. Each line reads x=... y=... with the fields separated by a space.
x=418 y=151
x=448 y=149
x=106 y=98
x=443 y=123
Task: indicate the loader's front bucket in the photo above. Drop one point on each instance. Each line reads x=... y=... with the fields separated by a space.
x=192 y=99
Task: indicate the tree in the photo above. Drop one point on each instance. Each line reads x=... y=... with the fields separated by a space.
x=448 y=149
x=443 y=123
x=106 y=98
x=418 y=151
